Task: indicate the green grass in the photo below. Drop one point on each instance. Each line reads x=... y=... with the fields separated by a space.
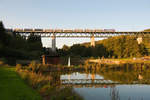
x=12 y=87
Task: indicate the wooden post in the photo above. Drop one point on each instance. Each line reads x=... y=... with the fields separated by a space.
x=43 y=60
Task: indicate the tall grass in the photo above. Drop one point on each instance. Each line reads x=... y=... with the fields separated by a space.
x=36 y=80
x=45 y=84
x=12 y=87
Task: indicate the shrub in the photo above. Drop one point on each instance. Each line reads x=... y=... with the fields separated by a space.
x=1 y=62
x=18 y=67
x=33 y=66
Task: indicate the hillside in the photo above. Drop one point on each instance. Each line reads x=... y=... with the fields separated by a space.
x=114 y=47
x=147 y=30
x=146 y=41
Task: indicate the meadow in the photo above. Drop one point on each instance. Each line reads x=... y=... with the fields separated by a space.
x=12 y=87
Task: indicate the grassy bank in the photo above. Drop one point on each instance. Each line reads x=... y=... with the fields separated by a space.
x=119 y=61
x=12 y=87
x=48 y=85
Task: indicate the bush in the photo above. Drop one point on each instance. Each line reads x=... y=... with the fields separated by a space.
x=33 y=66
x=1 y=62
x=18 y=67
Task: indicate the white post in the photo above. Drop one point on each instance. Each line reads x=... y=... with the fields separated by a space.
x=69 y=62
x=92 y=41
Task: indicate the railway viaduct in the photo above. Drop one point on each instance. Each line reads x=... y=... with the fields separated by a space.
x=76 y=33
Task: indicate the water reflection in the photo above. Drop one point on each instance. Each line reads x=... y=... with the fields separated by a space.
x=118 y=92
x=114 y=93
x=110 y=85
x=83 y=80
x=78 y=75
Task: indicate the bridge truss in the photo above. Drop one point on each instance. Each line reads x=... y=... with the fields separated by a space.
x=73 y=34
x=78 y=34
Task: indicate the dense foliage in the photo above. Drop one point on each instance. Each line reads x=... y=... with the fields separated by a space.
x=18 y=47
x=147 y=30
x=30 y=48
x=115 y=47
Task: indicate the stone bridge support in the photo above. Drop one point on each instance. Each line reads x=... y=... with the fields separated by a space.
x=139 y=39
x=54 y=43
x=92 y=41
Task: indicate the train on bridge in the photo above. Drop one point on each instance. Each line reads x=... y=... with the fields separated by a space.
x=63 y=30
x=74 y=33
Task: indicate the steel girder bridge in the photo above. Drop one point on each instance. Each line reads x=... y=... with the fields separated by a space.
x=73 y=34
x=76 y=34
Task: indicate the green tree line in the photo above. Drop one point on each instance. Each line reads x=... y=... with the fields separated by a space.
x=147 y=30
x=19 y=47
x=114 y=47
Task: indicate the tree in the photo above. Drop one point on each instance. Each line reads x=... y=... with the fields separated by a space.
x=143 y=50
x=34 y=43
x=3 y=35
x=147 y=30
x=4 y=41
x=65 y=47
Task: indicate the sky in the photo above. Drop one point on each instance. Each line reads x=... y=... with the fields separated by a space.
x=122 y=15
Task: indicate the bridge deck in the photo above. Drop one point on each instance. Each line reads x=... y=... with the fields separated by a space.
x=73 y=33
x=80 y=34
x=117 y=32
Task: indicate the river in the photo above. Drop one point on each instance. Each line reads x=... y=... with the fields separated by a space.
x=97 y=86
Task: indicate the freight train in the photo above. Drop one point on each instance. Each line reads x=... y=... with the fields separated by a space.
x=66 y=30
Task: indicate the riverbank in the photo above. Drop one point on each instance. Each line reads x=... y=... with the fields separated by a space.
x=119 y=61
x=36 y=76
x=12 y=87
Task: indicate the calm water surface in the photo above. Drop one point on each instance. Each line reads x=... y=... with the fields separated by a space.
x=96 y=87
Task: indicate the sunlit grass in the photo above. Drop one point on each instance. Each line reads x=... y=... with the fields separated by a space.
x=12 y=87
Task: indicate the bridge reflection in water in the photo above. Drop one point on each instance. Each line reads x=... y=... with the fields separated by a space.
x=112 y=85
x=87 y=82
x=79 y=80
x=101 y=86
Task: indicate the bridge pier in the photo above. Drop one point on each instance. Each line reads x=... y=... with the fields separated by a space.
x=92 y=41
x=54 y=43
x=139 y=39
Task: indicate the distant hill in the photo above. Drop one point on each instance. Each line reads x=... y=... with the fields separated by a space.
x=113 y=47
x=147 y=30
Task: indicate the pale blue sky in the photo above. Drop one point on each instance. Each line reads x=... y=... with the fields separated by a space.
x=122 y=15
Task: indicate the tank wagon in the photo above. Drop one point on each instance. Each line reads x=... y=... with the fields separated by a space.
x=58 y=30
x=78 y=30
x=17 y=29
x=109 y=30
x=98 y=30
x=68 y=31
x=48 y=30
x=38 y=30
x=88 y=30
x=28 y=30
